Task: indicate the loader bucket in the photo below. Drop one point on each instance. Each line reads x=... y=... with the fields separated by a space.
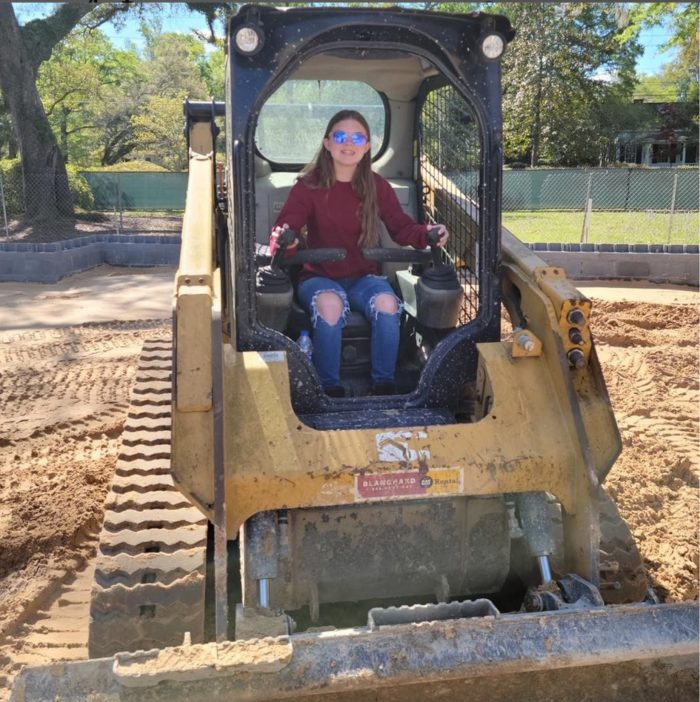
x=628 y=652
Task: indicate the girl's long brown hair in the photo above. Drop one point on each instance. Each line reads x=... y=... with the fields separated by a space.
x=362 y=180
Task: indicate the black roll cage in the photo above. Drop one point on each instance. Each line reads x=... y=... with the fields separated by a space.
x=449 y=42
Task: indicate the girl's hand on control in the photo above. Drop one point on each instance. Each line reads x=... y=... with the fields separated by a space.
x=275 y=236
x=444 y=234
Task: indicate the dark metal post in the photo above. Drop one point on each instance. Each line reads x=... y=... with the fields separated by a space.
x=587 y=211
x=4 y=211
x=119 y=200
x=115 y=204
x=673 y=205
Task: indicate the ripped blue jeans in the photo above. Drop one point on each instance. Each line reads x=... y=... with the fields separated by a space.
x=357 y=294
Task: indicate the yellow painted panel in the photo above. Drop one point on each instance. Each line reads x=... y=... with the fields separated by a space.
x=274 y=461
x=565 y=297
x=193 y=456
x=193 y=362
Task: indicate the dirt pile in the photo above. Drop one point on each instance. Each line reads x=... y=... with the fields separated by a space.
x=649 y=354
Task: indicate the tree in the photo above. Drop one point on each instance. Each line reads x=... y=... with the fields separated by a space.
x=563 y=63
x=215 y=14
x=172 y=62
x=173 y=70
x=85 y=76
x=8 y=143
x=682 y=18
x=655 y=88
x=211 y=66
x=22 y=51
x=159 y=132
x=115 y=129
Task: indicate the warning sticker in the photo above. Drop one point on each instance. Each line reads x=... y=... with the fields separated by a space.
x=393 y=446
x=272 y=356
x=438 y=481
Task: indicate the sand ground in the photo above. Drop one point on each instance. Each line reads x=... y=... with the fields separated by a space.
x=67 y=360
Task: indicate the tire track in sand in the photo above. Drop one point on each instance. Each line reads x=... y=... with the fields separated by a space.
x=649 y=358
x=63 y=400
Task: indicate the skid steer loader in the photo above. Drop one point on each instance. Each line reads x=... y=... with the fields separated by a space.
x=263 y=541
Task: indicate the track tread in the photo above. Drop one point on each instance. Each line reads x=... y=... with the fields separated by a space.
x=126 y=568
x=151 y=482
x=134 y=467
x=150 y=570
x=146 y=437
x=153 y=373
x=132 y=453
x=151 y=399
x=182 y=592
x=135 y=520
x=139 y=424
x=148 y=386
x=121 y=502
x=617 y=544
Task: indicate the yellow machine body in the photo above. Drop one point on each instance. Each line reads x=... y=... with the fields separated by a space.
x=538 y=425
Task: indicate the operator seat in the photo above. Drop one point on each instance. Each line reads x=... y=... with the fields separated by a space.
x=357 y=332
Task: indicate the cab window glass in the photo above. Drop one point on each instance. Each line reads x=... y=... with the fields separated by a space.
x=291 y=123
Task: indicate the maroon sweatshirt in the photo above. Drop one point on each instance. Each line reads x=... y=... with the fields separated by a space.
x=332 y=220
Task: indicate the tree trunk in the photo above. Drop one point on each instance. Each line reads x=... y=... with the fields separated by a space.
x=47 y=194
x=117 y=147
x=537 y=124
x=64 y=132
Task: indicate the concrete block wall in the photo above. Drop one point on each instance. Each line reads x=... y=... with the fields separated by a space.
x=654 y=263
x=49 y=263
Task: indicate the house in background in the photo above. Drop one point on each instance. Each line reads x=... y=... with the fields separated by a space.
x=667 y=136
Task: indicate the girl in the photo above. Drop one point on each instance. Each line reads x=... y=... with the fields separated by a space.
x=340 y=201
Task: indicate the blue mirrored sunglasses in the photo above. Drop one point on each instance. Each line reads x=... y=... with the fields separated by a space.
x=358 y=138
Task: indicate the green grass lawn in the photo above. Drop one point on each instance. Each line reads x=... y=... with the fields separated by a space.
x=606 y=227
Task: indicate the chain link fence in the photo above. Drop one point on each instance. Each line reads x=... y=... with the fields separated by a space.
x=627 y=206
x=603 y=206
x=41 y=207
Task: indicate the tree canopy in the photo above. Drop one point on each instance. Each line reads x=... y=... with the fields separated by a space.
x=569 y=79
x=683 y=20
x=23 y=50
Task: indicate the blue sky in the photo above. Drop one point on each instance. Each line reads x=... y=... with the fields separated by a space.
x=180 y=20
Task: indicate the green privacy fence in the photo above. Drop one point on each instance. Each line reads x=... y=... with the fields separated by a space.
x=611 y=189
x=608 y=189
x=115 y=192
x=636 y=206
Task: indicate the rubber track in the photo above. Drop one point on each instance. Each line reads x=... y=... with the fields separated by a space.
x=149 y=577
x=617 y=545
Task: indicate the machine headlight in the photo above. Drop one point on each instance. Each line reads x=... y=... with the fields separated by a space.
x=493 y=46
x=249 y=39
